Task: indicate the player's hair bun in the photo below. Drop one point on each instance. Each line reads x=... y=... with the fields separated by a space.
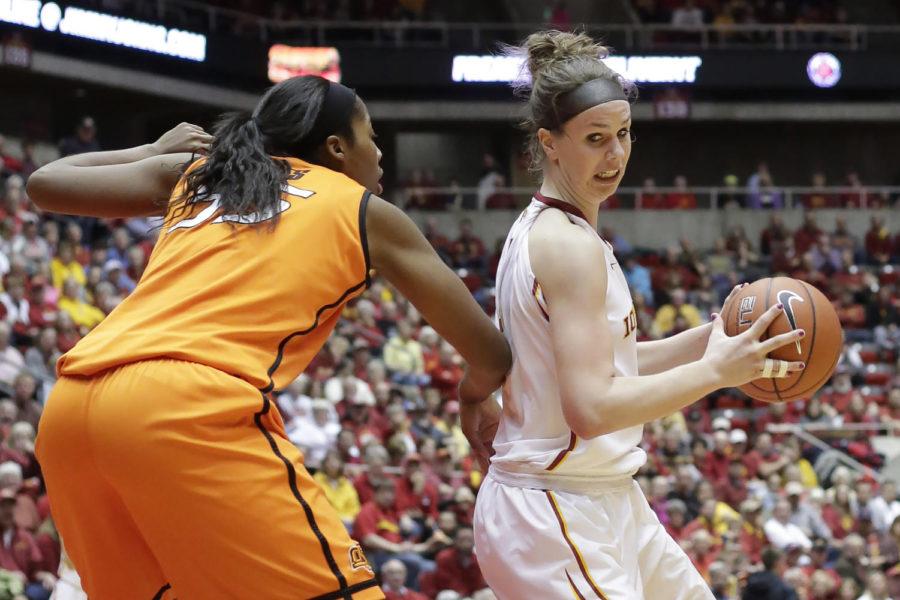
x=546 y=48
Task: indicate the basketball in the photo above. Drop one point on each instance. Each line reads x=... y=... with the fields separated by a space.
x=805 y=308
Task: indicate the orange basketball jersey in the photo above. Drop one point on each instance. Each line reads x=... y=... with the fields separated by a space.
x=229 y=292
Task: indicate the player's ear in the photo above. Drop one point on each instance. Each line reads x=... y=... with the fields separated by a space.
x=331 y=153
x=334 y=148
x=548 y=143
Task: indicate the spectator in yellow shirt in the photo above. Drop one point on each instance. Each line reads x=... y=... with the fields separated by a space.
x=404 y=357
x=338 y=489
x=84 y=315
x=664 y=323
x=64 y=266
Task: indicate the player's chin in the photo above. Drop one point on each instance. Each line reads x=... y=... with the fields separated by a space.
x=608 y=185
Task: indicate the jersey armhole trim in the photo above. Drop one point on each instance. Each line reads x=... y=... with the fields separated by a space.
x=363 y=238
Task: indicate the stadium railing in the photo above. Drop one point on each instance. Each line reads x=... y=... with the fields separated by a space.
x=811 y=433
x=789 y=197
x=190 y=13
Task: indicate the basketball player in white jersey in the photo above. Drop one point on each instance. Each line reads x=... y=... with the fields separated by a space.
x=559 y=514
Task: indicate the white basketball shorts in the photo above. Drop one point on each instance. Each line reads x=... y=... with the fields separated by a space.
x=541 y=544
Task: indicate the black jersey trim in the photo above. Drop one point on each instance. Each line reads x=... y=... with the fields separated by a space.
x=344 y=591
x=280 y=356
x=353 y=589
x=363 y=236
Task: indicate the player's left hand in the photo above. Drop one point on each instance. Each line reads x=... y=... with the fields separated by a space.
x=184 y=137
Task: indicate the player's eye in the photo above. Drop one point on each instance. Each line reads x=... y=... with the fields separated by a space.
x=594 y=138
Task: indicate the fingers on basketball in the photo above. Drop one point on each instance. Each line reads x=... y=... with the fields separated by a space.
x=761 y=324
x=776 y=342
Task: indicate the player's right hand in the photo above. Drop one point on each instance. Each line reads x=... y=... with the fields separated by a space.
x=184 y=137
x=742 y=358
x=479 y=422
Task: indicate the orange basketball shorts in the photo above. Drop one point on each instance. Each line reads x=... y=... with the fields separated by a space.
x=168 y=479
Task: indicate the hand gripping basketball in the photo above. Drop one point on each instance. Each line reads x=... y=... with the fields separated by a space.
x=743 y=358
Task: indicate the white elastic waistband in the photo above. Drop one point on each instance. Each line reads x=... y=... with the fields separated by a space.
x=570 y=485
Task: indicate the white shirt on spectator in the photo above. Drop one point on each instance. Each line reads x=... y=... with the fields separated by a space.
x=313 y=440
x=782 y=536
x=295 y=407
x=11 y=362
x=883 y=514
x=334 y=391
x=15 y=312
x=687 y=17
x=34 y=250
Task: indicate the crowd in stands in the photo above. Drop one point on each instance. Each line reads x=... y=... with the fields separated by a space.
x=340 y=10
x=423 y=190
x=377 y=417
x=693 y=13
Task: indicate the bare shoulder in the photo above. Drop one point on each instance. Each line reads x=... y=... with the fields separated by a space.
x=559 y=249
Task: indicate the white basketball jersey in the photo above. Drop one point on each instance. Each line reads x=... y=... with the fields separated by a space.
x=533 y=442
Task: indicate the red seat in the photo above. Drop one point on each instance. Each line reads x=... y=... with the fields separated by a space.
x=877 y=377
x=869 y=356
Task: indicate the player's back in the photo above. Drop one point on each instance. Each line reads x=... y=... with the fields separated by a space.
x=534 y=441
x=230 y=292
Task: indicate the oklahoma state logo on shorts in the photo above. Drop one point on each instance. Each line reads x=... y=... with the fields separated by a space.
x=358 y=559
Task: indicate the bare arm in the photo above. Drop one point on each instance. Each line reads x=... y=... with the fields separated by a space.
x=594 y=400
x=402 y=254
x=119 y=183
x=132 y=189
x=661 y=355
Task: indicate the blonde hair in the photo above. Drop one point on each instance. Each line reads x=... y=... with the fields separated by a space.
x=557 y=62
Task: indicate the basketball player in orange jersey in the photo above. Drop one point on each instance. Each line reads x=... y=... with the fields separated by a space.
x=167 y=465
x=581 y=387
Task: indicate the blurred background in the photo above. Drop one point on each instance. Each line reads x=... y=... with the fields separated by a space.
x=767 y=143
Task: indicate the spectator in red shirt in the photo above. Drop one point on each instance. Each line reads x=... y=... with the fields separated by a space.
x=733 y=489
x=878 y=242
x=775 y=233
x=449 y=478
x=376 y=459
x=356 y=419
x=838 y=514
x=770 y=460
x=19 y=554
x=417 y=498
x=681 y=198
x=841 y=391
x=377 y=527
x=677 y=513
x=752 y=537
x=650 y=196
x=468 y=252
x=438 y=240
x=8 y=163
x=457 y=568
x=702 y=551
x=448 y=372
x=40 y=312
x=807 y=235
x=738 y=440
x=393 y=582
x=25 y=512
x=67 y=330
x=818 y=198
x=719 y=458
